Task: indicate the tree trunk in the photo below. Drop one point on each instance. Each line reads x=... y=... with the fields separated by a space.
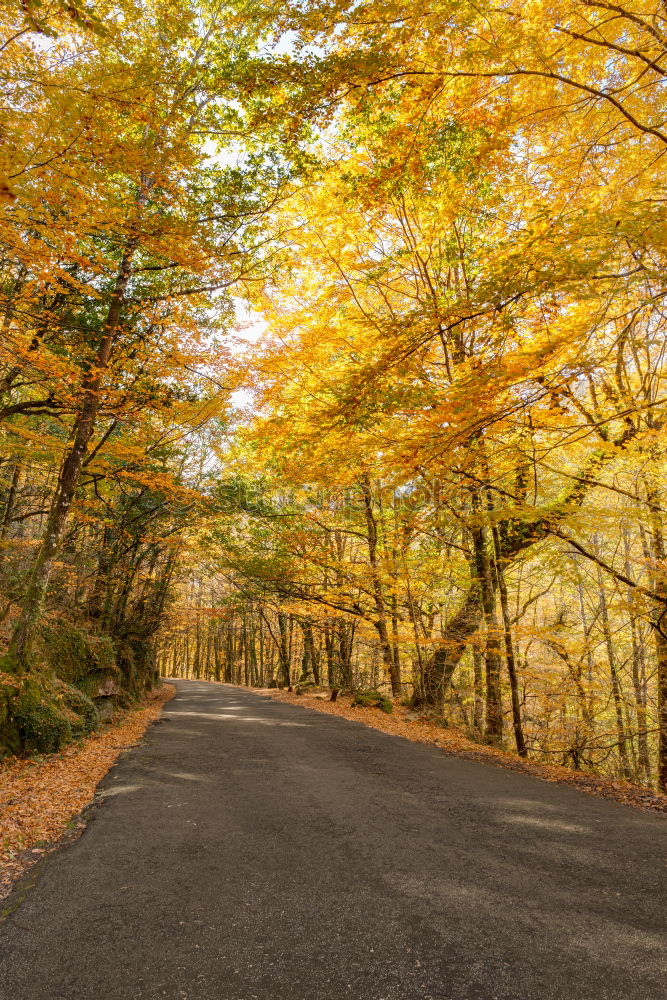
x=439 y=669
x=84 y=428
x=515 y=536
x=659 y=622
x=345 y=646
x=638 y=675
x=391 y=663
x=330 y=652
x=217 y=658
x=478 y=682
x=616 y=689
x=283 y=649
x=310 y=665
x=11 y=499
x=509 y=650
x=493 y=729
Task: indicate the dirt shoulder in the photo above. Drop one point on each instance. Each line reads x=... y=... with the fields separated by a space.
x=409 y=725
x=41 y=798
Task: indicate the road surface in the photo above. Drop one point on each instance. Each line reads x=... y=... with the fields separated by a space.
x=252 y=850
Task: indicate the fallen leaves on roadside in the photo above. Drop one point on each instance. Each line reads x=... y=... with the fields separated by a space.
x=41 y=797
x=453 y=741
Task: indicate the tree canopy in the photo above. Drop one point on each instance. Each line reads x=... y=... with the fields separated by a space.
x=334 y=350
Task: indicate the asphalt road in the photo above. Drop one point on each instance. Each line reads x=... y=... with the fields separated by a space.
x=251 y=850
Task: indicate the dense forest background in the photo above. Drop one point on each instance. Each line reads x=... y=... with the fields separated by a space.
x=333 y=353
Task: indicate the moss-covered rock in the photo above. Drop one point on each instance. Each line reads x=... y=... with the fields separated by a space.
x=43 y=714
x=79 y=658
x=83 y=708
x=138 y=667
x=106 y=709
x=373 y=699
x=10 y=742
x=42 y=709
x=43 y=722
